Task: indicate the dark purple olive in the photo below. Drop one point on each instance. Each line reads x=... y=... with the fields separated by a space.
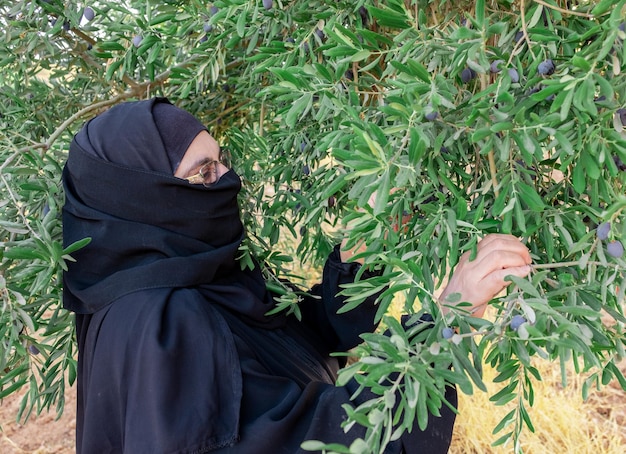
x=622 y=116
x=514 y=75
x=546 y=67
x=467 y=74
x=33 y=350
x=517 y=321
x=615 y=249
x=365 y=17
x=268 y=4
x=495 y=66
x=603 y=230
x=137 y=39
x=89 y=13
x=447 y=333
x=431 y=116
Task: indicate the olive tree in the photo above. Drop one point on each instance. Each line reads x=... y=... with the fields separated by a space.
x=421 y=125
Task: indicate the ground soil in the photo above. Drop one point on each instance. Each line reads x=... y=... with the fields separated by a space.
x=43 y=434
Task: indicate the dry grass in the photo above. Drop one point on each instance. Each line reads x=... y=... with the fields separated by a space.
x=564 y=423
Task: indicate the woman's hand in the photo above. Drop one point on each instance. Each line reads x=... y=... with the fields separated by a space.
x=480 y=280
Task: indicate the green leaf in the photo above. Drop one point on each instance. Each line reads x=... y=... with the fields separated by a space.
x=480 y=13
x=22 y=253
x=602 y=7
x=505 y=421
x=110 y=45
x=480 y=134
x=581 y=63
x=418 y=70
x=530 y=197
x=76 y=246
x=389 y=18
x=162 y=18
x=360 y=55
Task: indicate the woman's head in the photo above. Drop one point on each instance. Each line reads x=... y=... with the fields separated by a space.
x=149 y=135
x=125 y=189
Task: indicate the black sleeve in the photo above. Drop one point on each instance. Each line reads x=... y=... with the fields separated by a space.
x=339 y=332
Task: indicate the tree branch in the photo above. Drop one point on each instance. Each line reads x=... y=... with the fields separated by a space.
x=564 y=11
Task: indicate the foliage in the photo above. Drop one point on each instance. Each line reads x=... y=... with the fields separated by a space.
x=486 y=116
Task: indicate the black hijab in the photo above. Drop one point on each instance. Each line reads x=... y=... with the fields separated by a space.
x=163 y=254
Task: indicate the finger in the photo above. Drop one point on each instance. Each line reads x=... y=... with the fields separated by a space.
x=499 y=240
x=497 y=260
x=494 y=283
x=512 y=246
x=495 y=237
x=497 y=278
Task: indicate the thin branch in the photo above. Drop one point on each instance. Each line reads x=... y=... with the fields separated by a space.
x=568 y=264
x=227 y=111
x=524 y=26
x=490 y=155
x=564 y=11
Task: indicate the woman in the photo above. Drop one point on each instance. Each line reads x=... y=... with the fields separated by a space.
x=176 y=354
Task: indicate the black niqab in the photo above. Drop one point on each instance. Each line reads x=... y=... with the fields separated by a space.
x=160 y=248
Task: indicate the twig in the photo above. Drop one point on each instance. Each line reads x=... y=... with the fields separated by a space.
x=564 y=11
x=524 y=27
x=567 y=264
x=490 y=155
x=261 y=118
x=227 y=111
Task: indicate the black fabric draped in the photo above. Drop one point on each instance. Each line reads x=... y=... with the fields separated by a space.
x=176 y=354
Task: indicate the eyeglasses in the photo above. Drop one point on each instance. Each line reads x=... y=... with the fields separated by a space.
x=209 y=173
